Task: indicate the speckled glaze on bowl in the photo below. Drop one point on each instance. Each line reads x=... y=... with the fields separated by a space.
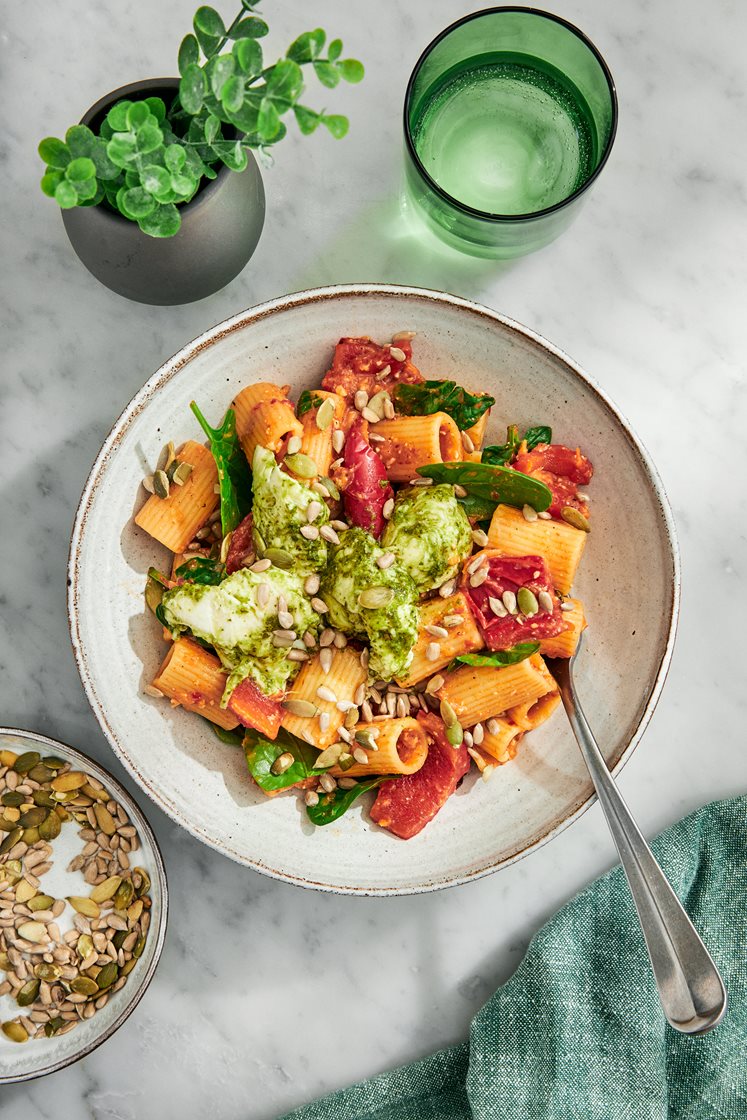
x=38 y=1057
x=629 y=581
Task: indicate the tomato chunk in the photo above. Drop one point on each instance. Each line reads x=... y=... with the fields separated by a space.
x=358 y=364
x=253 y=709
x=405 y=805
x=367 y=488
x=561 y=468
x=511 y=573
x=241 y=545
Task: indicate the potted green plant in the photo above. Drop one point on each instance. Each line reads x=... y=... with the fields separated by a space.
x=160 y=191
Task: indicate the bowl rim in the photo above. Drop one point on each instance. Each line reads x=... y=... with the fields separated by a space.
x=143 y=826
x=171 y=368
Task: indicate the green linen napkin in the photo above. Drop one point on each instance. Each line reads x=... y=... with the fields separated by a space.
x=578 y=1031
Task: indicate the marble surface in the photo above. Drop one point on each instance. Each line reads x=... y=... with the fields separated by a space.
x=268 y=996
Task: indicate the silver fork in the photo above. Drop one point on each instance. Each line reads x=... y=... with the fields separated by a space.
x=691 y=990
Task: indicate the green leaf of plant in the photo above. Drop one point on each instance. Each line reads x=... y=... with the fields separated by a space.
x=351 y=70
x=80 y=141
x=137 y=114
x=493 y=484
x=307 y=46
x=539 y=434
x=248 y=55
x=337 y=125
x=132 y=177
x=334 y=50
x=247 y=118
x=262 y=752
x=232 y=94
x=250 y=28
x=233 y=738
x=189 y=53
x=234 y=475
x=268 y=122
x=80 y=169
x=212 y=128
x=285 y=80
x=327 y=74
x=184 y=186
x=54 y=153
x=308 y=120
x=174 y=157
x=231 y=152
x=192 y=89
x=117 y=116
x=157 y=108
x=122 y=149
x=66 y=195
x=202 y=570
x=499 y=657
x=506 y=452
x=427 y=397
x=138 y=203
x=156 y=179
x=209 y=22
x=219 y=70
x=331 y=806
x=164 y=221
x=97 y=197
x=49 y=182
x=85 y=189
x=149 y=138
x=307 y=401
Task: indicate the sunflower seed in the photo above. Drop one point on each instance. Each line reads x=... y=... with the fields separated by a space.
x=260 y=566
x=310 y=532
x=544 y=599
x=451 y=621
x=404 y=336
x=459 y=491
x=437 y=631
x=311 y=797
x=325 y=660
x=468 y=443
x=478 y=733
x=319 y=605
x=340 y=641
x=297 y=655
x=493 y=726
x=433 y=651
x=327 y=637
x=282 y=763
x=360 y=400
x=366 y=713
x=388 y=508
x=447 y=589
x=344 y=705
x=496 y=606
x=295 y=443
x=283 y=639
x=530 y=513
x=545 y=515
x=397 y=354
x=479 y=577
x=327 y=694
x=370 y=415
x=338 y=440
x=566 y=606
x=324 y=721
x=435 y=683
x=327 y=782
x=509 y=601
x=420 y=481
x=361 y=756
x=329 y=534
x=311 y=585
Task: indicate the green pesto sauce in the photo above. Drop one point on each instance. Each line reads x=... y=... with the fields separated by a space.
x=279 y=510
x=429 y=533
x=392 y=630
x=228 y=617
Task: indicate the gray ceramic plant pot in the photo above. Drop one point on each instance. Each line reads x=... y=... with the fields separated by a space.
x=219 y=232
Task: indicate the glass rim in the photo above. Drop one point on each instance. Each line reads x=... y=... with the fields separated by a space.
x=532 y=214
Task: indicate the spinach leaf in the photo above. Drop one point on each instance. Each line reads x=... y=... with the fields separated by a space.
x=494 y=485
x=497 y=454
x=499 y=657
x=262 y=752
x=234 y=738
x=331 y=806
x=234 y=475
x=202 y=569
x=307 y=401
x=428 y=397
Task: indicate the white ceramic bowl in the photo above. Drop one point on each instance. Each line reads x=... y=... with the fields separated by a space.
x=628 y=581
x=36 y=1057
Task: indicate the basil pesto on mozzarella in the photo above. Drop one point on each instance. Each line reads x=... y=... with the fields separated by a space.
x=280 y=511
x=429 y=533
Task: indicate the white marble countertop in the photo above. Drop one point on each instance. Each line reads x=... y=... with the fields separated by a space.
x=268 y=995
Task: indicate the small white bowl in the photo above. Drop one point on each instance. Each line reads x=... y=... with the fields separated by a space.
x=629 y=582
x=39 y=1056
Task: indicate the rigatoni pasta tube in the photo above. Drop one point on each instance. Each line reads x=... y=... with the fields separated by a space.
x=342 y=682
x=315 y=441
x=402 y=748
x=560 y=544
x=264 y=417
x=174 y=520
x=564 y=645
x=195 y=679
x=410 y=442
x=478 y=692
x=463 y=638
x=501 y=739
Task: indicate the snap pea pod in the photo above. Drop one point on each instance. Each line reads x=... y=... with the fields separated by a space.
x=493 y=485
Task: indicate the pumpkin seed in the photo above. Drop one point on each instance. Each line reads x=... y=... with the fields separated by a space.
x=107 y=976
x=282 y=763
x=330 y=487
x=26 y=761
x=28 y=993
x=11 y=840
x=14 y=1031
x=345 y=761
x=124 y=895
x=527 y=601
x=448 y=715
x=48 y=972
x=140 y=881
x=161 y=484
x=375 y=597
x=4 y=961
x=33 y=931
x=85 y=947
x=41 y=773
x=303 y=466
x=119 y=938
x=148 y=484
x=52 y=1026
x=303 y=708
x=182 y=473
x=25 y=891
x=128 y=966
x=40 y=902
x=30 y=836
x=12 y=799
x=7 y=758
x=454 y=734
x=105 y=820
x=573 y=517
x=73 y=779
x=53 y=762
x=324 y=416
x=12 y=870
x=259 y=543
x=135 y=910
x=279 y=557
x=153 y=594
x=43 y=797
x=107 y=889
x=84 y=986
x=50 y=828
x=167 y=456
x=32 y=818
x=85 y=906
x=329 y=756
x=7 y=825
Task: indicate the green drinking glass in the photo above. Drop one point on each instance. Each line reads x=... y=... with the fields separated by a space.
x=510 y=115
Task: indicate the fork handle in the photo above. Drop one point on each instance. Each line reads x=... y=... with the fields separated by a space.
x=691 y=990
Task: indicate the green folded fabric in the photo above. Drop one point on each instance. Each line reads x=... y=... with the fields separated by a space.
x=578 y=1031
